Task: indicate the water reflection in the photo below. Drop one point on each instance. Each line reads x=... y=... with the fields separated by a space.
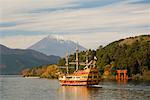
x=85 y=93
x=121 y=82
x=18 y=88
x=120 y=90
x=73 y=93
x=77 y=93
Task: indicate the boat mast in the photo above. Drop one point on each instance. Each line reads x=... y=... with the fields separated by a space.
x=87 y=58
x=77 y=59
x=67 y=63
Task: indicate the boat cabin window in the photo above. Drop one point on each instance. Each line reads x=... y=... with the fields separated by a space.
x=68 y=77
x=89 y=76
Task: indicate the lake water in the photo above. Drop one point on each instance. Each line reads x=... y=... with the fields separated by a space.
x=19 y=88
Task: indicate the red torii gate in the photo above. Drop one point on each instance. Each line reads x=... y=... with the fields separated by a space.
x=119 y=75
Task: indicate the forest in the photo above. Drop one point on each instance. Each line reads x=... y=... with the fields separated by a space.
x=132 y=53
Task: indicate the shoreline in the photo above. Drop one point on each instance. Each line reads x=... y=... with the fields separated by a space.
x=102 y=79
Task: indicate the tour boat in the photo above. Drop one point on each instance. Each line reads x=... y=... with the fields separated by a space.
x=89 y=75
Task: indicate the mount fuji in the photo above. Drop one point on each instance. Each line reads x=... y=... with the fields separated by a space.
x=56 y=45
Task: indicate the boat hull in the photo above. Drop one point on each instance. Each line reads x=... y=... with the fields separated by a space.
x=89 y=76
x=78 y=83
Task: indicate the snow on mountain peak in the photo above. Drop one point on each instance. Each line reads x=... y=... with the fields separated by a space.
x=57 y=37
x=55 y=45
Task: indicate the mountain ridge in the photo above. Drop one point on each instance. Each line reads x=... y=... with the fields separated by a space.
x=51 y=45
x=12 y=61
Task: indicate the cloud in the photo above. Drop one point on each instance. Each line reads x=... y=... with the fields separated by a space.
x=11 y=6
x=78 y=18
x=111 y=18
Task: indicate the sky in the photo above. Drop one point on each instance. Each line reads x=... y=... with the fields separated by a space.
x=91 y=23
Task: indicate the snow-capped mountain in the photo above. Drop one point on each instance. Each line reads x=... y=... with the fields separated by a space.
x=56 y=45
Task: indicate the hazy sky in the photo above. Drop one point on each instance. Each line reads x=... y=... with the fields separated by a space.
x=89 y=22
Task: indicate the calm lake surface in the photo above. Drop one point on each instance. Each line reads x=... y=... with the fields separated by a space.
x=19 y=88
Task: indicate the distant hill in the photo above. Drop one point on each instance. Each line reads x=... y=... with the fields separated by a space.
x=12 y=61
x=52 y=45
x=132 y=53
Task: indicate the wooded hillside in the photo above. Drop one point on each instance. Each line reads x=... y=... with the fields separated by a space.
x=131 y=53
